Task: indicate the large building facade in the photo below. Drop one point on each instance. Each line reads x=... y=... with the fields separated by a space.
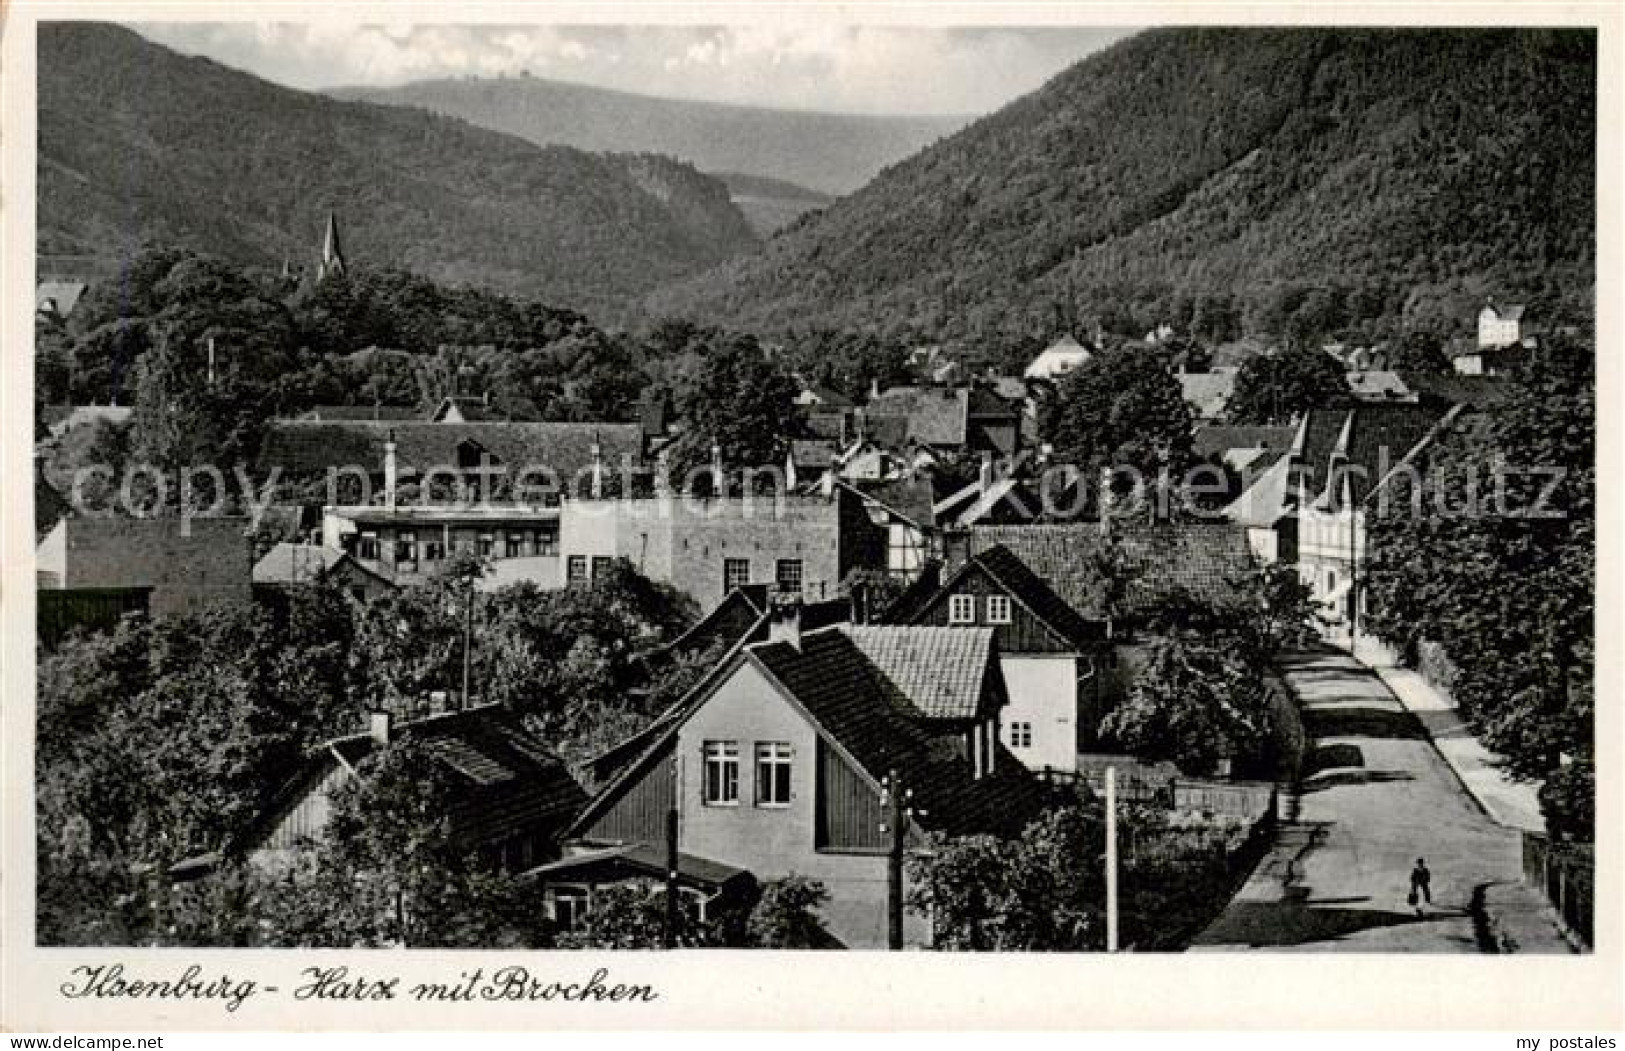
x=707 y=547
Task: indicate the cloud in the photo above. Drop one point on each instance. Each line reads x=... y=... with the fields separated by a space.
x=872 y=69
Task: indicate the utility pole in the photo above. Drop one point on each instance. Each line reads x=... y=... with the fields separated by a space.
x=1111 y=859
x=468 y=643
x=669 y=934
x=895 y=816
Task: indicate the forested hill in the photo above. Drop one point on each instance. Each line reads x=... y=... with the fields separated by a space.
x=828 y=152
x=1221 y=180
x=138 y=143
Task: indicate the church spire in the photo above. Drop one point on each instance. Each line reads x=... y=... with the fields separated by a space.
x=332 y=252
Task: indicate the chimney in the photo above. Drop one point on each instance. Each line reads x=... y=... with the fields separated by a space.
x=784 y=619
x=211 y=361
x=597 y=469
x=984 y=476
x=717 y=486
x=378 y=727
x=390 y=471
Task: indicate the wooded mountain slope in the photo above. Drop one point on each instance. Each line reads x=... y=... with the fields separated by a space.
x=830 y=152
x=139 y=143
x=1218 y=179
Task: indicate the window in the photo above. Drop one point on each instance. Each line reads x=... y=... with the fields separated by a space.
x=575 y=570
x=515 y=547
x=600 y=565
x=434 y=550
x=772 y=774
x=735 y=573
x=787 y=574
x=367 y=549
x=547 y=541
x=569 y=907
x=406 y=549
x=722 y=773
x=1021 y=735
x=962 y=609
x=998 y=609
x=488 y=545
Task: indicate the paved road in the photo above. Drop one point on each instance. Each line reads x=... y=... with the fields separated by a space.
x=1376 y=796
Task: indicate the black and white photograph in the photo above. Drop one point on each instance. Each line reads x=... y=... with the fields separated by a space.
x=1090 y=487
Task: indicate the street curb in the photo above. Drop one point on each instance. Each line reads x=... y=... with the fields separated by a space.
x=1455 y=771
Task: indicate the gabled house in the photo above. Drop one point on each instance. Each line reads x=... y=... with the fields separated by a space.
x=56 y=299
x=1342 y=461
x=465 y=409
x=903 y=508
x=1057 y=359
x=1378 y=385
x=513 y=797
x=1208 y=393
x=1310 y=508
x=288 y=565
x=946 y=420
x=1048 y=652
x=776 y=762
x=1499 y=326
x=1124 y=570
x=707 y=547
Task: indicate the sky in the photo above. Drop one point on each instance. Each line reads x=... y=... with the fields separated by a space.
x=836 y=68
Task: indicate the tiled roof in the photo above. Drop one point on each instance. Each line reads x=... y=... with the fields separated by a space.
x=1378 y=385
x=1263 y=504
x=472 y=410
x=509 y=782
x=817 y=453
x=1452 y=388
x=641 y=859
x=829 y=398
x=341 y=413
x=986 y=401
x=1207 y=393
x=312 y=446
x=1061 y=356
x=1217 y=439
x=296 y=564
x=62 y=296
x=1028 y=588
x=863 y=712
x=1204 y=560
x=941 y=671
x=1378 y=438
x=909 y=498
x=934 y=415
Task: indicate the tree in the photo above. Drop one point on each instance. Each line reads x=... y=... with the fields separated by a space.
x=1198 y=703
x=1492 y=556
x=1278 y=388
x=1420 y=350
x=400 y=873
x=624 y=916
x=736 y=399
x=786 y=915
x=1122 y=408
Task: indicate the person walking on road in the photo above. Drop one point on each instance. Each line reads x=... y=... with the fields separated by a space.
x=1421 y=889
